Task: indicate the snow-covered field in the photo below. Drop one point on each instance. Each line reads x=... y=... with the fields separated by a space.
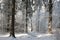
x=29 y=36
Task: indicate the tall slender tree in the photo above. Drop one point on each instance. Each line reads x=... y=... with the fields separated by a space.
x=50 y=5
x=29 y=13
x=26 y=15
x=38 y=26
x=13 y=19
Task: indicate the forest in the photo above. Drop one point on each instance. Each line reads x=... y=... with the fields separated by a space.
x=33 y=19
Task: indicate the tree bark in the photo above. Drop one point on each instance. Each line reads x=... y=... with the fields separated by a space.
x=8 y=23
x=31 y=25
x=26 y=16
x=50 y=17
x=13 y=19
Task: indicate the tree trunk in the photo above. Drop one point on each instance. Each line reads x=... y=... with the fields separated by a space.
x=38 y=17
x=31 y=25
x=26 y=16
x=8 y=23
x=50 y=17
x=13 y=19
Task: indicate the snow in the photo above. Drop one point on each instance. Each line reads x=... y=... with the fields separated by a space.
x=34 y=35
x=30 y=36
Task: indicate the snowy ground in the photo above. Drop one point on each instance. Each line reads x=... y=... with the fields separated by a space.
x=29 y=36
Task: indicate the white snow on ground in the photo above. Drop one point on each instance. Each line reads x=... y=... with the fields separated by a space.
x=6 y=35
x=30 y=36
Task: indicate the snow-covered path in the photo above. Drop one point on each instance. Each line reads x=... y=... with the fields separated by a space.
x=31 y=37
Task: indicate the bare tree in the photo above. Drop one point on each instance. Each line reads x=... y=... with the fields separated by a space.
x=26 y=15
x=13 y=19
x=50 y=5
